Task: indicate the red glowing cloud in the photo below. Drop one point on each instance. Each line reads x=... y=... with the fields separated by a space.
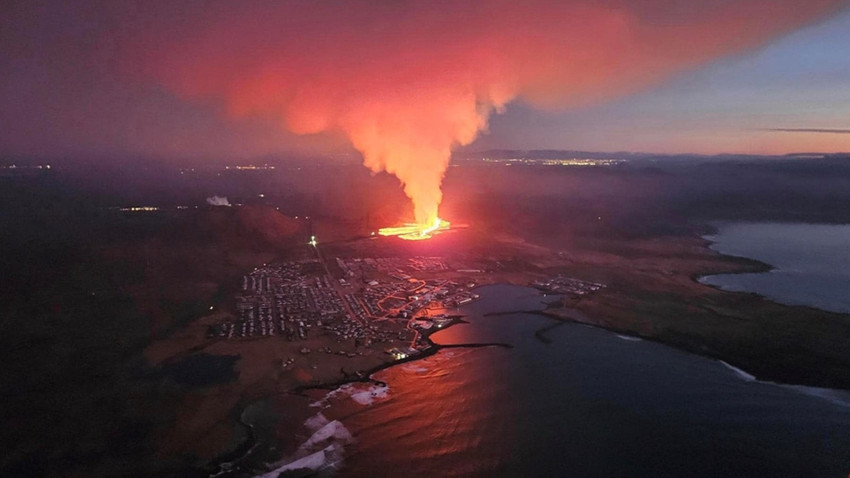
x=406 y=81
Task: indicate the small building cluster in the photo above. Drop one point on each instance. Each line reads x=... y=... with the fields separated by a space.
x=567 y=285
x=374 y=301
x=281 y=300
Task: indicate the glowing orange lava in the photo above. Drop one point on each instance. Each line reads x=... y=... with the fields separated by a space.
x=416 y=232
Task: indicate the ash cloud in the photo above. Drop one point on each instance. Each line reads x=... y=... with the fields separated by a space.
x=407 y=81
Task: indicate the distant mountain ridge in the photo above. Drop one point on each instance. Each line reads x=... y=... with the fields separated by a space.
x=629 y=155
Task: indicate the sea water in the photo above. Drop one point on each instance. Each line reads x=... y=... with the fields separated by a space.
x=811 y=262
x=586 y=404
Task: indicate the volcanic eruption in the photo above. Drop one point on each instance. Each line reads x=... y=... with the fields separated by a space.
x=407 y=81
x=415 y=231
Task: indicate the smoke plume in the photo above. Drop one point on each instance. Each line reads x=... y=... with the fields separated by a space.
x=406 y=81
x=218 y=201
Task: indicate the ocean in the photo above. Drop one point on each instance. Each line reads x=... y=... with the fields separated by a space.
x=585 y=403
x=811 y=262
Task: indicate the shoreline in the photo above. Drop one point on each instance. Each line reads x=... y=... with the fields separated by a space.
x=776 y=375
x=756 y=308
x=666 y=303
x=759 y=267
x=756 y=266
x=762 y=267
x=561 y=319
x=567 y=315
x=233 y=458
x=825 y=394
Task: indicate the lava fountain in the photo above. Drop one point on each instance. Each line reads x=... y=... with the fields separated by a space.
x=416 y=232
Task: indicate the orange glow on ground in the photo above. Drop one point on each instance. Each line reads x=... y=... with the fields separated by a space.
x=416 y=232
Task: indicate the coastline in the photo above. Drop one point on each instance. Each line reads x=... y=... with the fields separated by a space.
x=740 y=358
x=230 y=462
x=559 y=314
x=621 y=309
x=758 y=266
x=777 y=288
x=368 y=423
x=366 y=377
x=566 y=315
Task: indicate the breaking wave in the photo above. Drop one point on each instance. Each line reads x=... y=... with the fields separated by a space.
x=324 y=449
x=740 y=373
x=356 y=392
x=835 y=396
x=629 y=338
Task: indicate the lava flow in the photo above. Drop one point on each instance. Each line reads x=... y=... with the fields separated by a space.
x=416 y=232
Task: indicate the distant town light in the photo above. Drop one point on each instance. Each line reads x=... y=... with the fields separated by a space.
x=139 y=209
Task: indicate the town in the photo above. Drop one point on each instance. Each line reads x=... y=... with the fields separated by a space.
x=567 y=286
x=365 y=301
